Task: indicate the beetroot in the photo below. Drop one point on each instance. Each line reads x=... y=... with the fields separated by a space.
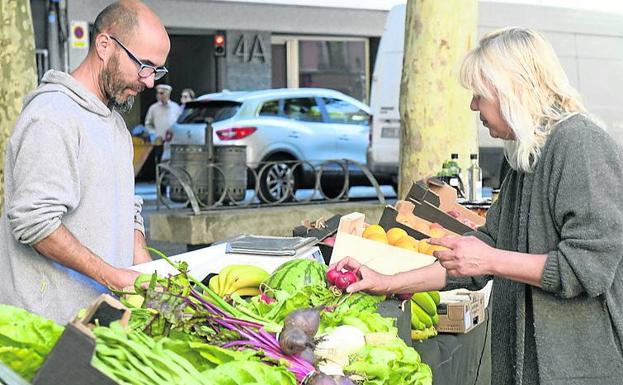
x=343 y=380
x=307 y=320
x=321 y=379
x=332 y=275
x=342 y=280
x=350 y=277
x=307 y=355
x=293 y=341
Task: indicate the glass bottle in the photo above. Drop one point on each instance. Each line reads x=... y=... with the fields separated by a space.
x=474 y=179
x=455 y=174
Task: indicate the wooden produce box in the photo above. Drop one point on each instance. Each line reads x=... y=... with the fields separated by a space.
x=460 y=311
x=69 y=362
x=391 y=218
x=403 y=216
x=443 y=197
x=384 y=258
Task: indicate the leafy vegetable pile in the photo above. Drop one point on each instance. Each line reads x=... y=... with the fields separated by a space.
x=181 y=332
x=131 y=357
x=25 y=340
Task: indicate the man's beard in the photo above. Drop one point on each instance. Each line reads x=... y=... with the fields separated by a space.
x=113 y=86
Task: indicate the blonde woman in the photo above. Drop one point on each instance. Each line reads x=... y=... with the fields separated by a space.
x=553 y=242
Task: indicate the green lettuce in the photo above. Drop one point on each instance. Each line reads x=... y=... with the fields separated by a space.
x=390 y=362
x=25 y=340
x=249 y=373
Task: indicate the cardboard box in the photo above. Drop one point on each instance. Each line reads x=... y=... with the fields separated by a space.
x=384 y=258
x=461 y=311
x=69 y=362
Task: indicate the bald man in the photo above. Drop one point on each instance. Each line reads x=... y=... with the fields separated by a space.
x=71 y=225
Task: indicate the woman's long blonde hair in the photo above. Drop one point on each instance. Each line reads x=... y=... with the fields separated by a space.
x=519 y=68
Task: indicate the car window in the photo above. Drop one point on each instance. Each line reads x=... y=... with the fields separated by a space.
x=270 y=108
x=341 y=111
x=198 y=111
x=303 y=109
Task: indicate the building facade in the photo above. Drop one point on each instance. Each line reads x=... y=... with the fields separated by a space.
x=265 y=45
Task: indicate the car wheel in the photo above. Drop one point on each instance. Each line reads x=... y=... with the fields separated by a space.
x=277 y=180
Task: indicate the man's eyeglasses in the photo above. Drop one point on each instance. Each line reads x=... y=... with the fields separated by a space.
x=145 y=70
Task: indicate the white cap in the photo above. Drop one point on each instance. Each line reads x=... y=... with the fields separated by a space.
x=164 y=87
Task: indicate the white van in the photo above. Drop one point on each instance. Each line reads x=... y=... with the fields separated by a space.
x=589 y=45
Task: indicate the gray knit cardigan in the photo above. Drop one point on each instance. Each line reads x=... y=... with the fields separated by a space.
x=568 y=331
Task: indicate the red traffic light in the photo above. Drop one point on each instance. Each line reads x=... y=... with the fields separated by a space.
x=219 y=44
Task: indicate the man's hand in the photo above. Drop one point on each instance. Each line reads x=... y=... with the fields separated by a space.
x=62 y=247
x=118 y=278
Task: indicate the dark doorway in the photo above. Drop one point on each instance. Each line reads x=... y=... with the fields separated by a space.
x=279 y=66
x=191 y=64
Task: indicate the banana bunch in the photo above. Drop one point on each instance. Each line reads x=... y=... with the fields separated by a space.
x=243 y=280
x=424 y=315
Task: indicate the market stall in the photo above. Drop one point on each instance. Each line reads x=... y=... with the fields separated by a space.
x=263 y=310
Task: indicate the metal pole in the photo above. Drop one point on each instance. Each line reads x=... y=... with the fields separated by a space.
x=209 y=143
x=53 y=43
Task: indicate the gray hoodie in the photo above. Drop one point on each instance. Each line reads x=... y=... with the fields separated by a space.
x=69 y=161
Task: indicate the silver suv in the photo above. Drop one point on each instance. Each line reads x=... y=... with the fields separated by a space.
x=281 y=126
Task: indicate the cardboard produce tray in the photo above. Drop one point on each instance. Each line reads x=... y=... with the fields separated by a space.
x=442 y=197
x=384 y=258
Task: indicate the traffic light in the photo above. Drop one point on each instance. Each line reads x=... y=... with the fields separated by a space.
x=219 y=44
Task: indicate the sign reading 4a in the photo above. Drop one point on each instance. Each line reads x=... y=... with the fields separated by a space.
x=250 y=48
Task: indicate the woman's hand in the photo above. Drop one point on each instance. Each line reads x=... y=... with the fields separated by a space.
x=370 y=281
x=466 y=257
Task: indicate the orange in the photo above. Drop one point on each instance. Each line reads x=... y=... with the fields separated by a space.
x=395 y=234
x=407 y=242
x=436 y=232
x=373 y=230
x=379 y=237
x=427 y=248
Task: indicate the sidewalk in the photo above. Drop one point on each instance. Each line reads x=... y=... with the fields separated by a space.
x=147 y=191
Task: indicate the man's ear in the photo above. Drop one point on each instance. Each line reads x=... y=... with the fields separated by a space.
x=103 y=46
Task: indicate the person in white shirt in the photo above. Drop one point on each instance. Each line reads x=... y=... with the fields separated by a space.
x=160 y=116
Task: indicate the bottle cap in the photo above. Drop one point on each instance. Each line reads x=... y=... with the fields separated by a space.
x=473 y=156
x=454 y=156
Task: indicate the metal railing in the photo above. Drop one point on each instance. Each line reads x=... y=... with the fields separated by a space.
x=199 y=193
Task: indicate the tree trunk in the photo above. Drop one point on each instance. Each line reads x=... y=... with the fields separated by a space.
x=434 y=108
x=18 y=73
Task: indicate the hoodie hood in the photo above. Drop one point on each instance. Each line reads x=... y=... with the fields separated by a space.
x=57 y=81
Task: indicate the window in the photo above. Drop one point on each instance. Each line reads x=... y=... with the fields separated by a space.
x=197 y=112
x=340 y=111
x=270 y=108
x=339 y=65
x=303 y=109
